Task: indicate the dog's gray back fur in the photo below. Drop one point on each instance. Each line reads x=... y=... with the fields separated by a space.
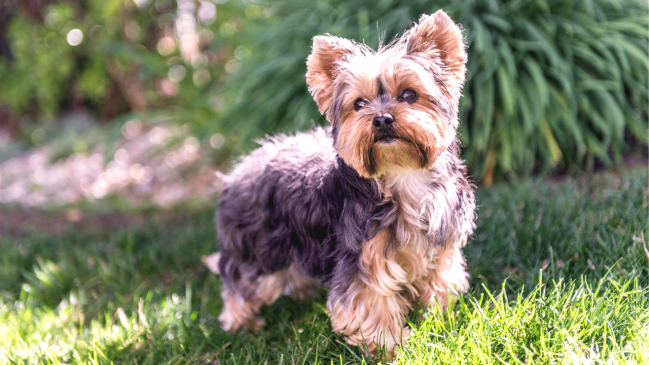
x=294 y=201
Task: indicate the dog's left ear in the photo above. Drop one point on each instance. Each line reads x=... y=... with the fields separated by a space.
x=438 y=37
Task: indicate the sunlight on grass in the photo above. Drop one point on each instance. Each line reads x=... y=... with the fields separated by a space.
x=560 y=274
x=573 y=323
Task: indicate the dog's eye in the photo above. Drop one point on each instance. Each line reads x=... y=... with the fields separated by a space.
x=408 y=95
x=359 y=104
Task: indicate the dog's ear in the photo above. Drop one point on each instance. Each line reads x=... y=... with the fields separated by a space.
x=322 y=67
x=438 y=37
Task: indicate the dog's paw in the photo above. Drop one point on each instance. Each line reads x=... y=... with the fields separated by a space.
x=233 y=324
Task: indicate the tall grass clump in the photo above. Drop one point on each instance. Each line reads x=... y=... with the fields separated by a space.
x=551 y=83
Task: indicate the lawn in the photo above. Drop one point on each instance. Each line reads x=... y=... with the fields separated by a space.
x=560 y=274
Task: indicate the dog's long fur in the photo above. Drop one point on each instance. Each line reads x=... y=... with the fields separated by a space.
x=380 y=222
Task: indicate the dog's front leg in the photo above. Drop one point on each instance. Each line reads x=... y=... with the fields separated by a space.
x=371 y=308
x=448 y=277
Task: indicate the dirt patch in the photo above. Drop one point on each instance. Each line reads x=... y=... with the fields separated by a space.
x=20 y=222
x=23 y=221
x=154 y=165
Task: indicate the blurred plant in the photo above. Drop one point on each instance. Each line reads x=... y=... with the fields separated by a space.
x=108 y=56
x=551 y=83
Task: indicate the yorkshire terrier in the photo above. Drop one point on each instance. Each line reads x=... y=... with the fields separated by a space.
x=376 y=209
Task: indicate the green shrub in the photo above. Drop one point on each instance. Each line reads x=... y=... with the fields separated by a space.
x=117 y=67
x=43 y=62
x=44 y=72
x=551 y=83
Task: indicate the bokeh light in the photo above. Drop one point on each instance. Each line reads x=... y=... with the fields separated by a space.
x=232 y=66
x=75 y=37
x=157 y=135
x=207 y=13
x=202 y=78
x=131 y=129
x=142 y=3
x=166 y=46
x=217 y=140
x=177 y=73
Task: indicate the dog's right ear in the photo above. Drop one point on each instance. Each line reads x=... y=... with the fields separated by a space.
x=322 y=67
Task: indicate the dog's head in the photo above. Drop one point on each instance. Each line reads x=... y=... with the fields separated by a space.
x=395 y=108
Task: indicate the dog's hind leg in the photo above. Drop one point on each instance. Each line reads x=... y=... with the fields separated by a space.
x=239 y=311
x=243 y=295
x=300 y=286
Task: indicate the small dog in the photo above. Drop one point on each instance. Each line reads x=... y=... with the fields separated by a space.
x=377 y=208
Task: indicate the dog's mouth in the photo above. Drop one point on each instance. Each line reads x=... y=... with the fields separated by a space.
x=390 y=138
x=386 y=137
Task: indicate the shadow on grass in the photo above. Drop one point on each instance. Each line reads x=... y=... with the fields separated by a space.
x=136 y=290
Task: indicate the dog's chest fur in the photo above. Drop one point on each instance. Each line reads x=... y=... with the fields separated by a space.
x=429 y=206
x=422 y=208
x=427 y=216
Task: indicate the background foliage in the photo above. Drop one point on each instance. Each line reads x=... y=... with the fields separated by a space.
x=135 y=56
x=552 y=85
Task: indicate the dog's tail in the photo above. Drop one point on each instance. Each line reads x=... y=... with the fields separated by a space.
x=220 y=177
x=220 y=180
x=212 y=262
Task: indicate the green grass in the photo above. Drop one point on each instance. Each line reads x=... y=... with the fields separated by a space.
x=560 y=274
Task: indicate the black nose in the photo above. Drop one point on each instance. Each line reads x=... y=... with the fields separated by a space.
x=383 y=122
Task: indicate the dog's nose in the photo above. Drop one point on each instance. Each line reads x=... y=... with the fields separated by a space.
x=383 y=122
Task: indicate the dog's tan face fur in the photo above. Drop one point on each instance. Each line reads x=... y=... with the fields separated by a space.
x=352 y=84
